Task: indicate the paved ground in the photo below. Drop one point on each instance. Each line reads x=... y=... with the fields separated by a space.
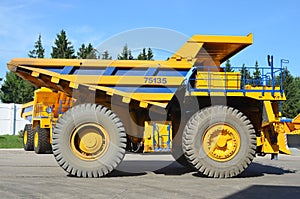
x=27 y=175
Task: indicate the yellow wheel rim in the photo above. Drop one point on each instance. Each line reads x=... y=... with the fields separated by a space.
x=221 y=142
x=25 y=137
x=36 y=139
x=89 y=141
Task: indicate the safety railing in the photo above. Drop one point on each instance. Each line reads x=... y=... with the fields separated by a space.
x=241 y=79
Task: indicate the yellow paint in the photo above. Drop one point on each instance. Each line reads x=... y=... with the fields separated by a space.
x=43 y=99
x=218 y=80
x=212 y=50
x=35 y=74
x=73 y=85
x=32 y=62
x=258 y=95
x=157 y=131
x=89 y=141
x=36 y=139
x=126 y=100
x=143 y=104
x=281 y=138
x=25 y=137
x=55 y=79
x=221 y=142
x=269 y=110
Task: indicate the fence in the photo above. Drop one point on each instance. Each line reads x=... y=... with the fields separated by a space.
x=10 y=120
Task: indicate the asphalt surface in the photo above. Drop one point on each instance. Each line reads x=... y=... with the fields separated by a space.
x=28 y=175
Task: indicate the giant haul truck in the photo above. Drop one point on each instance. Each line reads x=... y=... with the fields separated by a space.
x=42 y=114
x=210 y=119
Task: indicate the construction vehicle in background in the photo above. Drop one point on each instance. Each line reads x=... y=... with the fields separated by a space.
x=42 y=113
x=210 y=119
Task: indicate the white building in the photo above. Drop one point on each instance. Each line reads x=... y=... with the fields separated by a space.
x=10 y=120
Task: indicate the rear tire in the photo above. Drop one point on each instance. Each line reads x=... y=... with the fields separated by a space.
x=219 y=141
x=42 y=140
x=28 y=138
x=89 y=140
x=177 y=152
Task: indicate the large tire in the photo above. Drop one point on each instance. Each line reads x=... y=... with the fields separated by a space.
x=89 y=140
x=28 y=138
x=219 y=141
x=41 y=140
x=177 y=151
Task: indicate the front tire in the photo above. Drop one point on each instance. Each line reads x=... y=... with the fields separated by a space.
x=41 y=140
x=89 y=140
x=28 y=138
x=219 y=141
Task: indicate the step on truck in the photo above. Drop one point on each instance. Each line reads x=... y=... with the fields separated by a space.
x=212 y=120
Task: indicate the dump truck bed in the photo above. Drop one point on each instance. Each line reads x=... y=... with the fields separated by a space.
x=148 y=82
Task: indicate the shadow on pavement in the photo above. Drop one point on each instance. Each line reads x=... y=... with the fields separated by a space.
x=140 y=168
x=267 y=191
x=256 y=170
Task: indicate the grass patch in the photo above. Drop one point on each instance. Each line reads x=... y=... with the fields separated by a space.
x=11 y=141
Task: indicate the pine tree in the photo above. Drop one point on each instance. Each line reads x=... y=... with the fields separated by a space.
x=16 y=90
x=63 y=48
x=291 y=107
x=106 y=56
x=228 y=66
x=256 y=75
x=81 y=53
x=150 y=54
x=87 y=52
x=287 y=80
x=126 y=54
x=91 y=52
x=245 y=75
x=145 y=55
x=38 y=51
x=142 y=55
x=291 y=87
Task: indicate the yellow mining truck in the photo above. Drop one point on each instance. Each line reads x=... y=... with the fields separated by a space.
x=210 y=119
x=42 y=113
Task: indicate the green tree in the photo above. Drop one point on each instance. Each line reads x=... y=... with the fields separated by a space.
x=105 y=55
x=143 y=55
x=81 y=53
x=256 y=75
x=150 y=54
x=125 y=54
x=290 y=85
x=63 y=48
x=87 y=52
x=245 y=75
x=38 y=51
x=16 y=90
x=228 y=67
x=291 y=107
x=287 y=79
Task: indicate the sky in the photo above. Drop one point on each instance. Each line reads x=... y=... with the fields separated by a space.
x=275 y=25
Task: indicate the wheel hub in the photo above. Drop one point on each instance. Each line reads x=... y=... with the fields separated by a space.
x=89 y=141
x=25 y=137
x=221 y=142
x=36 y=139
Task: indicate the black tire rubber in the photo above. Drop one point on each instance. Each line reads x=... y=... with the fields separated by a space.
x=72 y=119
x=43 y=143
x=193 y=135
x=177 y=152
x=28 y=143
